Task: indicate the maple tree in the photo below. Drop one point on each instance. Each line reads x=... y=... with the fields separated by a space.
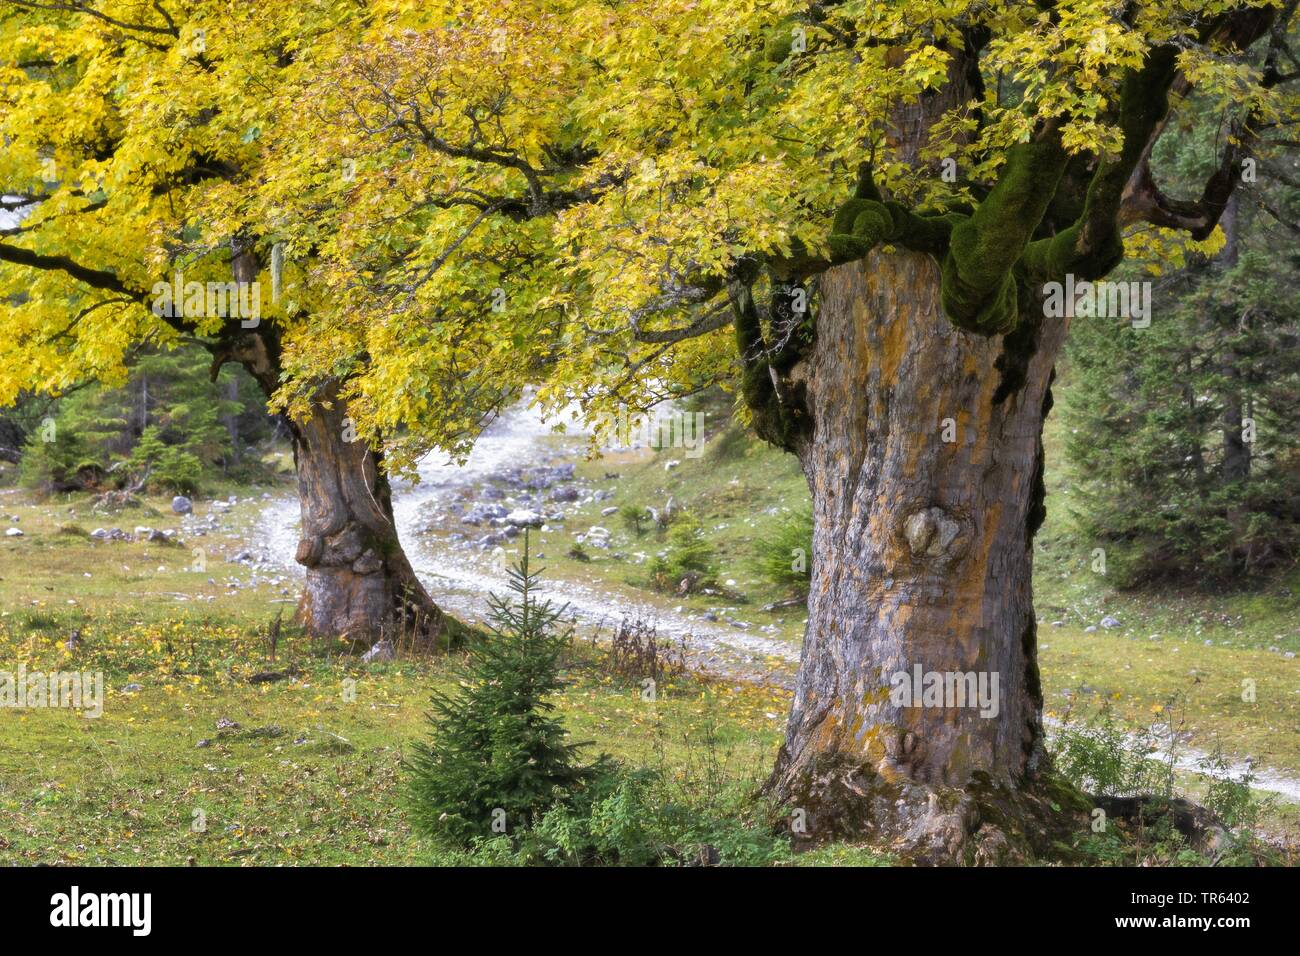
x=850 y=211
x=131 y=139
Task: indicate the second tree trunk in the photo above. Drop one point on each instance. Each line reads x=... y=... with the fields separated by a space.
x=360 y=584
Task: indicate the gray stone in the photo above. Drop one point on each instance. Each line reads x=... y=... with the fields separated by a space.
x=182 y=505
x=484 y=512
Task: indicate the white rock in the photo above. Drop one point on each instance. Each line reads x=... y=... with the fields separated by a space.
x=381 y=651
x=525 y=518
x=13 y=533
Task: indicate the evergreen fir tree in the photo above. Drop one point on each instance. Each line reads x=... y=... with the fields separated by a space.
x=496 y=756
x=1183 y=438
x=168 y=416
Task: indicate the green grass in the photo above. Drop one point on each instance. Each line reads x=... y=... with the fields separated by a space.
x=308 y=776
x=311 y=778
x=1262 y=613
x=57 y=564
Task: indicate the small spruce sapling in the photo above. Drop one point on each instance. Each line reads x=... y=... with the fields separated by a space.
x=496 y=757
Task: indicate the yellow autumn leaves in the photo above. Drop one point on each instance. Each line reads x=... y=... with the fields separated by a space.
x=469 y=198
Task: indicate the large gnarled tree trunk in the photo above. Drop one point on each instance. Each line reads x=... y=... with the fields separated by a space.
x=359 y=581
x=925 y=466
x=360 y=584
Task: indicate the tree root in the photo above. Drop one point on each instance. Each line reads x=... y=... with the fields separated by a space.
x=1202 y=829
x=982 y=824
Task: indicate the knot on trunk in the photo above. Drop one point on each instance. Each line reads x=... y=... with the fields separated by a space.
x=347 y=545
x=903 y=749
x=309 y=551
x=933 y=536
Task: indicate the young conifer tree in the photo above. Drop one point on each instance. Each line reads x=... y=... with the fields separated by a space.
x=497 y=758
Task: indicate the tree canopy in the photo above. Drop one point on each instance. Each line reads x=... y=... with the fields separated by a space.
x=463 y=198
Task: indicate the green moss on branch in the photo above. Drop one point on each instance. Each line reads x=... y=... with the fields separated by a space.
x=1093 y=245
x=979 y=290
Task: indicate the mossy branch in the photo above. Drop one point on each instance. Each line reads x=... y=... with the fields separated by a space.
x=979 y=291
x=979 y=251
x=868 y=220
x=1093 y=245
x=777 y=417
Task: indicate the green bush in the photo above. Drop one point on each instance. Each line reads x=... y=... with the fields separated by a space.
x=1100 y=757
x=168 y=467
x=634 y=517
x=65 y=464
x=635 y=818
x=688 y=563
x=784 y=556
x=639 y=818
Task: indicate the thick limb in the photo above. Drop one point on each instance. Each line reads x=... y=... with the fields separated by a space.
x=1092 y=245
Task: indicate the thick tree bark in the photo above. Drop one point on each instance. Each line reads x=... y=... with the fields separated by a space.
x=922 y=558
x=360 y=584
